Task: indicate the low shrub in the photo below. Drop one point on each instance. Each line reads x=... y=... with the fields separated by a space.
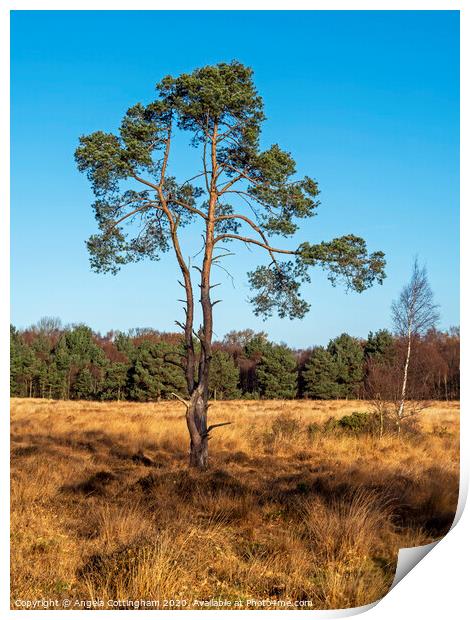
x=313 y=429
x=358 y=422
x=283 y=427
x=286 y=426
x=330 y=425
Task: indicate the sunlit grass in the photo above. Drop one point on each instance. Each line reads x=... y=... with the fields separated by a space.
x=103 y=505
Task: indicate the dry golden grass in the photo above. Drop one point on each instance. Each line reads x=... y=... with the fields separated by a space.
x=104 y=507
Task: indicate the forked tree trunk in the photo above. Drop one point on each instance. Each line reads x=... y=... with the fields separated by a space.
x=196 y=408
x=196 y=417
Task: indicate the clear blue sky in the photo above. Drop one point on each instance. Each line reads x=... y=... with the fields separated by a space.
x=367 y=103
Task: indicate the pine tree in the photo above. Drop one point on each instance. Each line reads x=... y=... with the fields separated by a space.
x=151 y=376
x=244 y=195
x=87 y=362
x=320 y=377
x=379 y=345
x=83 y=387
x=61 y=373
x=349 y=360
x=23 y=367
x=277 y=372
x=115 y=381
x=17 y=387
x=124 y=344
x=42 y=350
x=224 y=377
x=254 y=345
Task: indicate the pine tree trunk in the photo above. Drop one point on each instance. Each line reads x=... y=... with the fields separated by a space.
x=196 y=417
x=196 y=409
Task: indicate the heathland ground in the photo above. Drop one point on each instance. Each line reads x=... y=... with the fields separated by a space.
x=292 y=509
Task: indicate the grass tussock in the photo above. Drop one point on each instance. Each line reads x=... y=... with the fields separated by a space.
x=295 y=506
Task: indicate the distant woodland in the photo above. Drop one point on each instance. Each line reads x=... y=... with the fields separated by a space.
x=51 y=361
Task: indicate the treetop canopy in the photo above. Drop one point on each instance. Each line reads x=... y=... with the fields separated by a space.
x=237 y=188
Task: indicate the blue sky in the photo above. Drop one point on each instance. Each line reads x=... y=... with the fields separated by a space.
x=366 y=102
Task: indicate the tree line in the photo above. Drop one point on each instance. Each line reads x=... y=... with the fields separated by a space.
x=48 y=360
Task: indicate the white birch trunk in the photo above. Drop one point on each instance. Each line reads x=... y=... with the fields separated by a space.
x=405 y=380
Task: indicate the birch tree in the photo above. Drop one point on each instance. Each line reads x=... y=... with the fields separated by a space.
x=413 y=314
x=239 y=194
